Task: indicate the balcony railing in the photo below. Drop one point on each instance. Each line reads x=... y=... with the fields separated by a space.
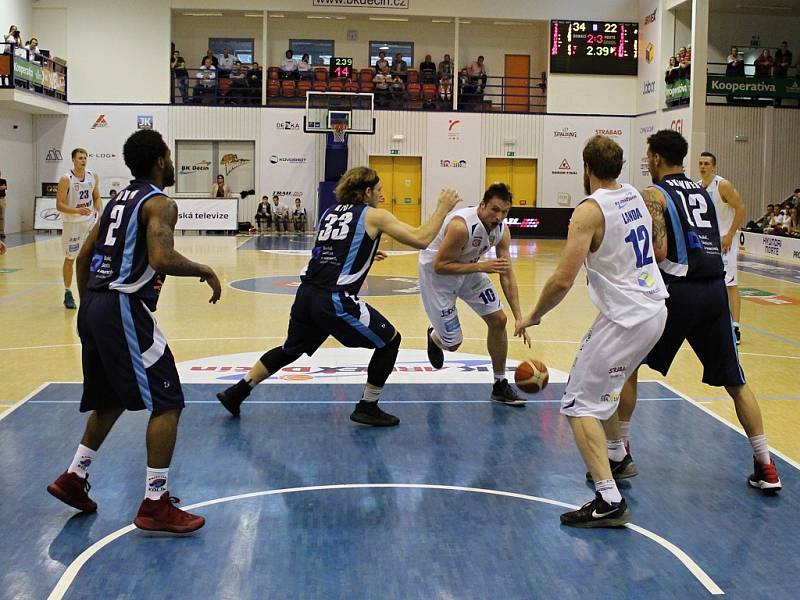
x=21 y=68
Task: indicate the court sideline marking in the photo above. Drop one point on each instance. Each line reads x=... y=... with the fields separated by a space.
x=75 y=566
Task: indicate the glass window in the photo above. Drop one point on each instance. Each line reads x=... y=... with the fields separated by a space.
x=241 y=48
x=316 y=50
x=390 y=49
x=198 y=163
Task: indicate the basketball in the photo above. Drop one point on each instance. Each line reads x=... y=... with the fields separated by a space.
x=531 y=376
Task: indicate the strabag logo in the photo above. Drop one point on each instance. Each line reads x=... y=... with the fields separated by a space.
x=453 y=164
x=231 y=162
x=54 y=155
x=203 y=165
x=294 y=160
x=564 y=168
x=612 y=133
x=100 y=122
x=566 y=132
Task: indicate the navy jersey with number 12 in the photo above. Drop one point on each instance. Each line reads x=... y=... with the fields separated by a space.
x=344 y=252
x=120 y=261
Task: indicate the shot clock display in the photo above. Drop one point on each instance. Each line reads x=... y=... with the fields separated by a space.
x=594 y=47
x=341 y=67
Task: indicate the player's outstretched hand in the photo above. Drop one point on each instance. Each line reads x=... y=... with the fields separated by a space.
x=213 y=283
x=449 y=198
x=520 y=331
x=528 y=320
x=496 y=265
x=381 y=255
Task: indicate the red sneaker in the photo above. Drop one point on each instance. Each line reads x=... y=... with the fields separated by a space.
x=161 y=515
x=73 y=489
x=765 y=477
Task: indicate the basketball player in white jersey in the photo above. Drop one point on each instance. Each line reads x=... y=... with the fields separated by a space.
x=730 y=216
x=78 y=201
x=610 y=233
x=449 y=268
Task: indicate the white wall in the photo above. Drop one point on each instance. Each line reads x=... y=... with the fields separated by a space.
x=16 y=165
x=17 y=12
x=726 y=30
x=190 y=34
x=50 y=28
x=117 y=51
x=592 y=94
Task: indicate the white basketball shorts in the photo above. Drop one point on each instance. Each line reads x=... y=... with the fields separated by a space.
x=439 y=293
x=608 y=354
x=73 y=235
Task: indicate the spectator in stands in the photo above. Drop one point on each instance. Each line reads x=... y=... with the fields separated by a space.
x=13 y=37
x=672 y=73
x=794 y=199
x=427 y=70
x=173 y=58
x=763 y=222
x=398 y=88
x=684 y=64
x=206 y=80
x=210 y=55
x=381 y=62
x=225 y=65
x=288 y=66
x=735 y=66
x=383 y=82
x=764 y=64
x=264 y=215
x=299 y=216
x=780 y=223
x=794 y=224
x=239 y=92
x=467 y=90
x=35 y=54
x=304 y=68
x=399 y=67
x=280 y=215
x=446 y=88
x=320 y=62
x=255 y=76
x=220 y=189
x=182 y=78
x=477 y=73
x=446 y=67
x=783 y=60
x=112 y=193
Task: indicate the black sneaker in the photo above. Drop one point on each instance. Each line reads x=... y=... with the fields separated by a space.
x=69 y=301
x=369 y=413
x=435 y=354
x=233 y=397
x=598 y=513
x=503 y=392
x=738 y=335
x=622 y=469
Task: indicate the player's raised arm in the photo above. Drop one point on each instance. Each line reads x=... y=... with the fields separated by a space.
x=417 y=237
x=160 y=214
x=656 y=206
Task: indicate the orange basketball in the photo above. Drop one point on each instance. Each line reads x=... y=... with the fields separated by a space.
x=531 y=376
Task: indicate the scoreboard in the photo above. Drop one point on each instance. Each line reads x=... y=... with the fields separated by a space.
x=594 y=47
x=341 y=67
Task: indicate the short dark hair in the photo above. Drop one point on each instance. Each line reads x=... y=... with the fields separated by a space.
x=670 y=145
x=498 y=190
x=480 y=57
x=772 y=205
x=711 y=156
x=603 y=156
x=797 y=191
x=77 y=150
x=142 y=151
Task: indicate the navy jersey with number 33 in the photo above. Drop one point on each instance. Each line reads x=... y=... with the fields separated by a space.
x=343 y=252
x=120 y=261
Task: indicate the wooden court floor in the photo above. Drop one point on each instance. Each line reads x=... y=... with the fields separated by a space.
x=39 y=342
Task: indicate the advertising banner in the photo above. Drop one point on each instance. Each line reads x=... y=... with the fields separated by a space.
x=562 y=166
x=748 y=87
x=770 y=246
x=677 y=91
x=102 y=131
x=288 y=166
x=643 y=127
x=194 y=166
x=649 y=55
x=207 y=214
x=27 y=71
x=453 y=158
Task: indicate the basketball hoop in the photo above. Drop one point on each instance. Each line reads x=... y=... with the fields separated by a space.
x=339 y=131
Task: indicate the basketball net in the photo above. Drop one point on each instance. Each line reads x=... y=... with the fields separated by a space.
x=339 y=130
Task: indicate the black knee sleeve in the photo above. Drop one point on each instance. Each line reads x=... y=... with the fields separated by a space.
x=382 y=363
x=274 y=360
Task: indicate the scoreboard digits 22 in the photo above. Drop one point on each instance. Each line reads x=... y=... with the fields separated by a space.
x=594 y=47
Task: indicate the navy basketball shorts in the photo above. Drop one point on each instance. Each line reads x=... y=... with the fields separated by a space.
x=317 y=314
x=698 y=312
x=126 y=361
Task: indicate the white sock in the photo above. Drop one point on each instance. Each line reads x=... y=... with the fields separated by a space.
x=608 y=490
x=760 y=448
x=499 y=376
x=625 y=431
x=82 y=461
x=616 y=450
x=736 y=325
x=66 y=289
x=371 y=393
x=156 y=483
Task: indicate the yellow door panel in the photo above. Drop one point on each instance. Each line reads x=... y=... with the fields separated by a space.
x=384 y=165
x=498 y=169
x=407 y=189
x=523 y=176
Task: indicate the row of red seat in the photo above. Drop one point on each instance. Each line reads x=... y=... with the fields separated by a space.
x=289 y=88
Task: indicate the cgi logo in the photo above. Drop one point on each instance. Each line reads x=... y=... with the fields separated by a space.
x=677 y=125
x=648 y=87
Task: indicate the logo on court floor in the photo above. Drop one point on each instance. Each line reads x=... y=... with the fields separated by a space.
x=375 y=285
x=349 y=365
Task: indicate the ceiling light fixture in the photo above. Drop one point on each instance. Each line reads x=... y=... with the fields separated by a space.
x=258 y=16
x=763 y=7
x=202 y=14
x=401 y=19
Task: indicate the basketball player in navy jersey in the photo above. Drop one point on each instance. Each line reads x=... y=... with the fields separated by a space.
x=686 y=242
x=127 y=364
x=327 y=302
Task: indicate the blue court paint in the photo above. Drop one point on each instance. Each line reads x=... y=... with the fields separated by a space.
x=374 y=285
x=766 y=267
x=286 y=241
x=393 y=543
